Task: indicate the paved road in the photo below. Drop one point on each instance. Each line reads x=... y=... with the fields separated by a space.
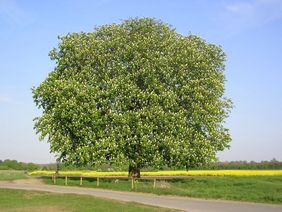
x=182 y=203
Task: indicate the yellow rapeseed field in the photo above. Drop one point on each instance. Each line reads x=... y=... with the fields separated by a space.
x=168 y=173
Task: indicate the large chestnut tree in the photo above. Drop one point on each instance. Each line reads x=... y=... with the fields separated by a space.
x=135 y=93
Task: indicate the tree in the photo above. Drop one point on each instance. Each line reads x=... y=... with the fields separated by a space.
x=137 y=93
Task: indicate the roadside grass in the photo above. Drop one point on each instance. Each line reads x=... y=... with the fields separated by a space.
x=29 y=201
x=264 y=189
x=12 y=175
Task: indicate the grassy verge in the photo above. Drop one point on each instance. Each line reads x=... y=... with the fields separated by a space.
x=29 y=201
x=265 y=189
x=12 y=175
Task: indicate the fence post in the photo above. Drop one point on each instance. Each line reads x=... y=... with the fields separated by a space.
x=54 y=179
x=66 y=180
x=80 y=181
x=98 y=182
x=154 y=185
x=132 y=183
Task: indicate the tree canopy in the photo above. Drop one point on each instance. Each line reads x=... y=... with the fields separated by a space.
x=136 y=92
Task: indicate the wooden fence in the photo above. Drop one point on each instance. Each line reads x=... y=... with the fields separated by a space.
x=132 y=179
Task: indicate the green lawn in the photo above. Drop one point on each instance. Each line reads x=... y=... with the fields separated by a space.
x=29 y=201
x=265 y=189
x=12 y=175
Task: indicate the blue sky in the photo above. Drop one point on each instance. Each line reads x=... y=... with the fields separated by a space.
x=250 y=32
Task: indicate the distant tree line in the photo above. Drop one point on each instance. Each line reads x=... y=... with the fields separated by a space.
x=246 y=165
x=15 y=165
x=249 y=165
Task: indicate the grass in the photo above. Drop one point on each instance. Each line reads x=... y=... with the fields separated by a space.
x=12 y=175
x=29 y=201
x=264 y=189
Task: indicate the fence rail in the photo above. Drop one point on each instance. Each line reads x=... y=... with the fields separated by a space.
x=132 y=179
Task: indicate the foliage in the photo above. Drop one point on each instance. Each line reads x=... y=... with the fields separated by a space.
x=228 y=165
x=134 y=93
x=168 y=173
x=15 y=165
x=252 y=165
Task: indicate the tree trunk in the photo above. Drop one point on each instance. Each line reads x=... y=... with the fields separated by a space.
x=133 y=172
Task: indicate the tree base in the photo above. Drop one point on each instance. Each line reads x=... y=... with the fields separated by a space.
x=134 y=172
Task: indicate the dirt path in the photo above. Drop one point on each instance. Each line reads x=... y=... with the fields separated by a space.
x=182 y=203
